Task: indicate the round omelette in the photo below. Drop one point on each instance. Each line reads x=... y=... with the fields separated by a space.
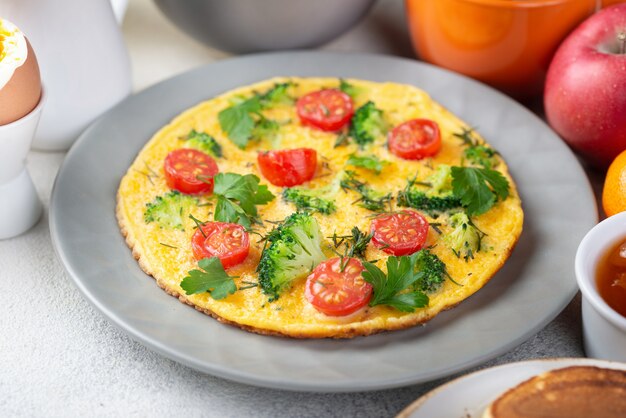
x=459 y=188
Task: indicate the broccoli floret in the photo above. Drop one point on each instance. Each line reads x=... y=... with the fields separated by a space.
x=203 y=142
x=169 y=210
x=310 y=200
x=441 y=180
x=267 y=129
x=291 y=252
x=367 y=124
x=432 y=205
x=320 y=200
x=476 y=152
x=439 y=198
x=481 y=155
x=277 y=95
x=433 y=269
x=465 y=239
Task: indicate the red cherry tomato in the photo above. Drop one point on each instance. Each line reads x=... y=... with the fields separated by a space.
x=229 y=242
x=335 y=287
x=415 y=139
x=288 y=167
x=190 y=171
x=328 y=110
x=400 y=233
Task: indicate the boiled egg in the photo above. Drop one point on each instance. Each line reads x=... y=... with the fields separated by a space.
x=20 y=81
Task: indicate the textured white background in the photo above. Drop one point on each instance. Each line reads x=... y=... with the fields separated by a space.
x=59 y=357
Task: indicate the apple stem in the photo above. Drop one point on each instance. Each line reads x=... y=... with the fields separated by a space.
x=621 y=37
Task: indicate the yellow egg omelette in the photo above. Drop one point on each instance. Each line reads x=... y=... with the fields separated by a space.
x=376 y=155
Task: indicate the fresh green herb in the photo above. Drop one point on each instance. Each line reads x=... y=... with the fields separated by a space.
x=237 y=121
x=350 y=89
x=240 y=120
x=396 y=288
x=354 y=244
x=367 y=124
x=342 y=139
x=168 y=245
x=203 y=142
x=212 y=278
x=478 y=188
x=169 y=210
x=237 y=198
x=369 y=198
x=369 y=162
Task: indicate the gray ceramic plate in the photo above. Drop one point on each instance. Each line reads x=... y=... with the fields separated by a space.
x=531 y=289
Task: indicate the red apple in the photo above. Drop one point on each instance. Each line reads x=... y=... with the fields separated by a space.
x=585 y=94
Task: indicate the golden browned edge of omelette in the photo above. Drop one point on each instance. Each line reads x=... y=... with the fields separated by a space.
x=291 y=315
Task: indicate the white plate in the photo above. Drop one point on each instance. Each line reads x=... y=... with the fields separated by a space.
x=535 y=284
x=469 y=395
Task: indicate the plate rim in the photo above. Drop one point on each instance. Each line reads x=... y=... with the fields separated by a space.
x=251 y=378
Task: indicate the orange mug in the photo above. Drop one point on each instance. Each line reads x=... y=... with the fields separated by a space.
x=505 y=43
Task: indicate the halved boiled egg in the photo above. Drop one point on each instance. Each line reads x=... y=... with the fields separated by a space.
x=20 y=81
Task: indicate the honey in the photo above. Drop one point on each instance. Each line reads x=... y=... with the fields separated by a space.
x=611 y=277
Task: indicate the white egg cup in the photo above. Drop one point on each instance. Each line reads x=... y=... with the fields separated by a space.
x=20 y=206
x=604 y=330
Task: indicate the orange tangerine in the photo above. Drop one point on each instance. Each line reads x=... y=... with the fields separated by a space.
x=614 y=190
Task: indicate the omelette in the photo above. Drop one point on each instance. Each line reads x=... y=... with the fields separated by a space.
x=319 y=207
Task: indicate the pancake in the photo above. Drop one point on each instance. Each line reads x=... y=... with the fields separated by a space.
x=165 y=253
x=571 y=392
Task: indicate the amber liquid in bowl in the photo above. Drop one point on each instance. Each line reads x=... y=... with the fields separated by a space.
x=611 y=277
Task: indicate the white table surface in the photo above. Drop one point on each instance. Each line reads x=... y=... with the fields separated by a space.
x=59 y=357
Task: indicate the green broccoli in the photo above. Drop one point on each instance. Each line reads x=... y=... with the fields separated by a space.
x=367 y=124
x=277 y=95
x=476 y=152
x=310 y=200
x=203 y=142
x=423 y=201
x=481 y=155
x=433 y=269
x=370 y=199
x=169 y=210
x=267 y=129
x=438 y=198
x=292 y=250
x=465 y=239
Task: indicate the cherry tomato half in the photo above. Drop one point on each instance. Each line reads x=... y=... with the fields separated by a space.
x=288 y=167
x=400 y=233
x=328 y=110
x=229 y=242
x=415 y=139
x=190 y=171
x=335 y=287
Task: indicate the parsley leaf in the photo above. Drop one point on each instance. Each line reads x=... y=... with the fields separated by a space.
x=212 y=278
x=394 y=289
x=237 y=123
x=478 y=188
x=243 y=121
x=237 y=197
x=369 y=162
